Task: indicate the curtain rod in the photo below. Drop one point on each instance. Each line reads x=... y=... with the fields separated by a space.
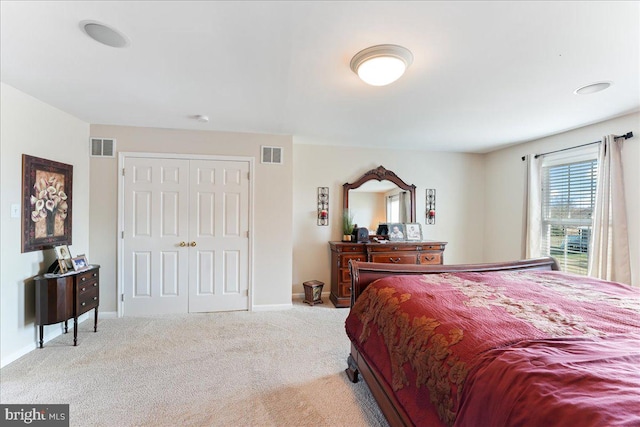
x=625 y=136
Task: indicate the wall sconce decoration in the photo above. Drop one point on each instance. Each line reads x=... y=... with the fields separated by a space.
x=323 y=205
x=431 y=206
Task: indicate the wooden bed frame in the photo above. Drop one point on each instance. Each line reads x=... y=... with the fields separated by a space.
x=363 y=273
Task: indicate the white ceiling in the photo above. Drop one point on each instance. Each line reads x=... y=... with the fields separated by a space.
x=485 y=74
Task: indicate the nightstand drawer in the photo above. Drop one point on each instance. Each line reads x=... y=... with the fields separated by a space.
x=87 y=287
x=87 y=277
x=88 y=300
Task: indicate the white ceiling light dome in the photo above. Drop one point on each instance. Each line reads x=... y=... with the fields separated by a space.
x=104 y=34
x=382 y=64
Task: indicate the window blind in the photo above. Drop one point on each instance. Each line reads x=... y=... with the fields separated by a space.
x=568 y=200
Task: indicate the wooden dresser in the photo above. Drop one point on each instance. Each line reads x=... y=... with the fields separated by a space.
x=62 y=297
x=425 y=252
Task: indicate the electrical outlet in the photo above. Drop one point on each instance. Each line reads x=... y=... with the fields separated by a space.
x=15 y=210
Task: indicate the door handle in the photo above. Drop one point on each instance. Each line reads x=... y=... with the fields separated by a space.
x=193 y=244
x=183 y=244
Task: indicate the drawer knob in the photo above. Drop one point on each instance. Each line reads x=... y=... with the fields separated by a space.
x=395 y=248
x=84 y=303
x=394 y=260
x=95 y=274
x=84 y=278
x=430 y=258
x=83 y=289
x=95 y=284
x=95 y=298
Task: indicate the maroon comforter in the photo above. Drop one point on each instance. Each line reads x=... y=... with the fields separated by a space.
x=504 y=348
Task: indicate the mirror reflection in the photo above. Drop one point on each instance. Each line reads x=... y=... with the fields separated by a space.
x=376 y=202
x=379 y=196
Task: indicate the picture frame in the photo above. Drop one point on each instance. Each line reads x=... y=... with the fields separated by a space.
x=396 y=232
x=46 y=203
x=413 y=232
x=62 y=252
x=64 y=256
x=80 y=263
x=63 y=267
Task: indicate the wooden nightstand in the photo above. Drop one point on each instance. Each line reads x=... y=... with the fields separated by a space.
x=62 y=297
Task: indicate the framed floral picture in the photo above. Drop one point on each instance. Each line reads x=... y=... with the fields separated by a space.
x=46 y=203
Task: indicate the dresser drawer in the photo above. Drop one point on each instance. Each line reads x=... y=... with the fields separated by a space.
x=432 y=247
x=395 y=258
x=431 y=258
x=345 y=289
x=344 y=259
x=352 y=248
x=389 y=247
x=87 y=287
x=87 y=300
x=87 y=277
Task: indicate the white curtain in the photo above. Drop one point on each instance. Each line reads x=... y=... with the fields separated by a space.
x=403 y=207
x=534 y=207
x=609 y=250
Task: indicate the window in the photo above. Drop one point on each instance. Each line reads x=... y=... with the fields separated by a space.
x=568 y=200
x=393 y=208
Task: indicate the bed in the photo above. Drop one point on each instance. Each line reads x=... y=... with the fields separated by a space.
x=517 y=343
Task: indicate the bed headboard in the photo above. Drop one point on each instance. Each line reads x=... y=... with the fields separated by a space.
x=363 y=273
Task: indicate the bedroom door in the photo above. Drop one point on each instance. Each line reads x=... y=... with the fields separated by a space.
x=185 y=237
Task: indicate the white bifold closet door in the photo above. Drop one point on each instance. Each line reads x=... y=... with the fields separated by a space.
x=185 y=234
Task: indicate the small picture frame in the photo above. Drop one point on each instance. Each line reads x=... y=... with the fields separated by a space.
x=413 y=232
x=62 y=252
x=62 y=266
x=80 y=263
x=396 y=232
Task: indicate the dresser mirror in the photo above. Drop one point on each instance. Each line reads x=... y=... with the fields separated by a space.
x=379 y=196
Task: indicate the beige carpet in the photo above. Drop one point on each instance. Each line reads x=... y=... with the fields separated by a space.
x=283 y=368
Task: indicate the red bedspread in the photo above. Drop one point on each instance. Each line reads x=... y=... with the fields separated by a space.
x=504 y=348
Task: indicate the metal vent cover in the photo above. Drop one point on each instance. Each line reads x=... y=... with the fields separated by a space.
x=272 y=155
x=102 y=147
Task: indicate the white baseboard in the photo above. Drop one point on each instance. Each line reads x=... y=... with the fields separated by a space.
x=107 y=315
x=272 y=307
x=49 y=334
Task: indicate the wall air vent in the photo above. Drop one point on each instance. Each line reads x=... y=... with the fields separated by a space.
x=103 y=147
x=272 y=155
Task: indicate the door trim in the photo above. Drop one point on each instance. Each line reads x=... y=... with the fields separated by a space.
x=122 y=156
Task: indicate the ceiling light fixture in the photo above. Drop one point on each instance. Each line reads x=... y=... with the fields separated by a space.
x=201 y=118
x=382 y=64
x=104 y=34
x=592 y=88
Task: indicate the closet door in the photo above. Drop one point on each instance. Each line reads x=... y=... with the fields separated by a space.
x=186 y=244
x=156 y=232
x=218 y=236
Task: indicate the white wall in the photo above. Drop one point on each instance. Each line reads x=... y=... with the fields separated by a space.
x=457 y=178
x=272 y=245
x=32 y=127
x=505 y=185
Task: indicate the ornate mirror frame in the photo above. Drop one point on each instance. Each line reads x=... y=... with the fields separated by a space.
x=381 y=174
